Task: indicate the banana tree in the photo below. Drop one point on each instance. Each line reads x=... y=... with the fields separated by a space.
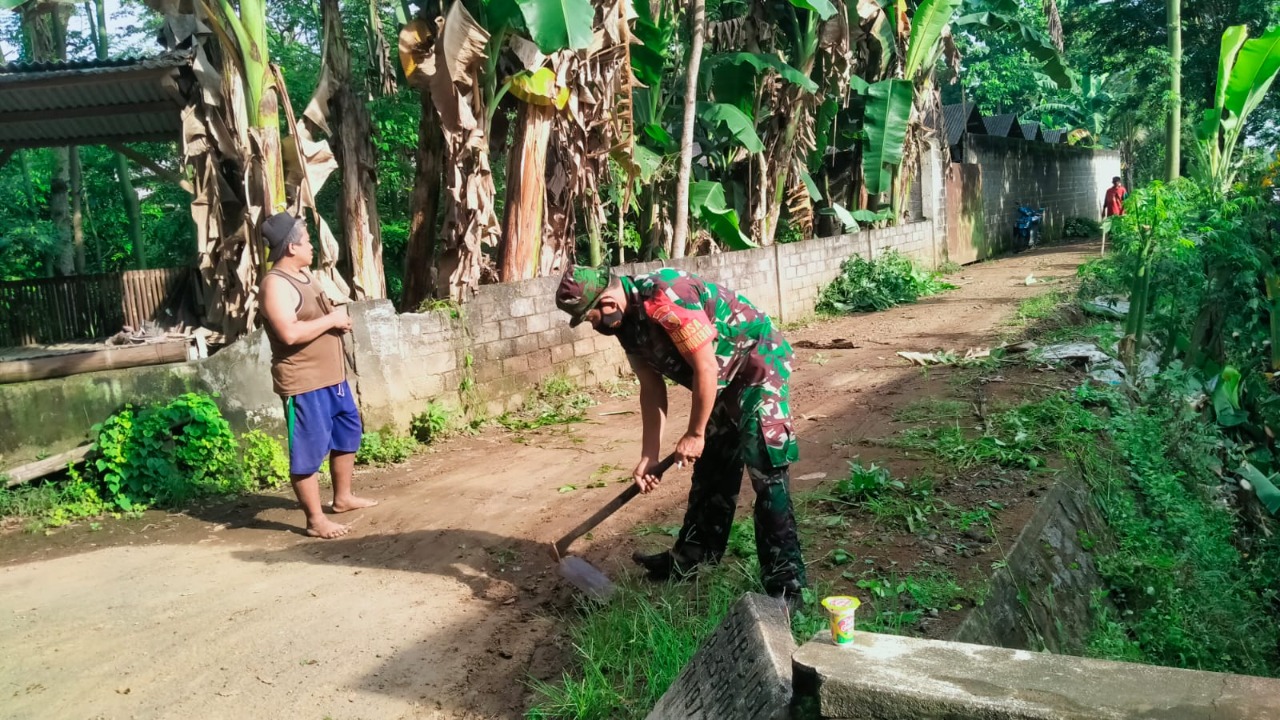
x=232 y=148
x=1246 y=70
x=343 y=116
x=457 y=63
x=448 y=59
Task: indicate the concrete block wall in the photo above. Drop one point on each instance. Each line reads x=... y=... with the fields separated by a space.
x=511 y=337
x=1066 y=181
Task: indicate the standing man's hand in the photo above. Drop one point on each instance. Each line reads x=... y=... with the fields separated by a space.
x=340 y=319
x=689 y=448
x=645 y=475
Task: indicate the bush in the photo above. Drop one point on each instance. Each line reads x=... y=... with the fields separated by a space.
x=265 y=461
x=889 y=280
x=1082 y=227
x=865 y=482
x=384 y=447
x=166 y=455
x=431 y=424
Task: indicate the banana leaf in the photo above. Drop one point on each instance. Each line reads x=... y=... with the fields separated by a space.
x=845 y=217
x=1255 y=68
x=707 y=201
x=1031 y=40
x=558 y=24
x=762 y=62
x=930 y=20
x=810 y=186
x=1226 y=399
x=888 y=112
x=738 y=123
x=823 y=8
x=1263 y=486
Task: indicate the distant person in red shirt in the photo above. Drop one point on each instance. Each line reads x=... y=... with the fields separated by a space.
x=1113 y=204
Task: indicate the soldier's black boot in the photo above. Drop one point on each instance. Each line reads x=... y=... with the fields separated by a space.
x=789 y=591
x=661 y=566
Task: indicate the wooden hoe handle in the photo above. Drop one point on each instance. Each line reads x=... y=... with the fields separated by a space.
x=561 y=545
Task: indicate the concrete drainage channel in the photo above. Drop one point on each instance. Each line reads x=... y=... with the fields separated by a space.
x=750 y=668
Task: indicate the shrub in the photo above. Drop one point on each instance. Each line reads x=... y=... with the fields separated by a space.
x=864 y=482
x=265 y=461
x=889 y=280
x=384 y=447
x=1081 y=227
x=431 y=424
x=166 y=455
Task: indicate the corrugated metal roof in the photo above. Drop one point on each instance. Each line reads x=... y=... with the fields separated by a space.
x=1054 y=137
x=1002 y=125
x=960 y=118
x=92 y=102
x=1031 y=131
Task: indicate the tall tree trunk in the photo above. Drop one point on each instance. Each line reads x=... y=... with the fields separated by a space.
x=526 y=194
x=132 y=207
x=77 y=208
x=352 y=133
x=1173 y=164
x=64 y=261
x=46 y=25
x=697 y=18
x=424 y=209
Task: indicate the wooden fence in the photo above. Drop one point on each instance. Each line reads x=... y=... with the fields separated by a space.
x=84 y=307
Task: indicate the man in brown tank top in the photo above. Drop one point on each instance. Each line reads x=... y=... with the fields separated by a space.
x=309 y=372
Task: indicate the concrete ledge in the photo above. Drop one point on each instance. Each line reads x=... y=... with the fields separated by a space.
x=886 y=677
x=742 y=671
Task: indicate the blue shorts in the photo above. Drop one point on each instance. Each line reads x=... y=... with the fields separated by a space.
x=320 y=422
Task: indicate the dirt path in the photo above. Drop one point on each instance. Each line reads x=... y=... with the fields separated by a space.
x=443 y=602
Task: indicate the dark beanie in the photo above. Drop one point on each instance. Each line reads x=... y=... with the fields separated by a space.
x=277 y=230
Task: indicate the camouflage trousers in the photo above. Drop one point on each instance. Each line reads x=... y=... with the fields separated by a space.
x=713 y=497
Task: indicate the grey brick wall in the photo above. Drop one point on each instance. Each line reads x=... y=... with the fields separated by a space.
x=1066 y=181
x=511 y=337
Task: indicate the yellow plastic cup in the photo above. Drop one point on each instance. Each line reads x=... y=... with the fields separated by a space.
x=841 y=609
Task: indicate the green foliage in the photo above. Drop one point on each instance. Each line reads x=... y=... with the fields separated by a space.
x=865 y=482
x=558 y=401
x=431 y=424
x=626 y=653
x=265 y=462
x=166 y=455
x=1189 y=597
x=384 y=447
x=1081 y=227
x=889 y=280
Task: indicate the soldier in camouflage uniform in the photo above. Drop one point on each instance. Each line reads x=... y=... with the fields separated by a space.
x=716 y=343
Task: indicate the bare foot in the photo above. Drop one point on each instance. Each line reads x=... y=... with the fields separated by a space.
x=352 y=502
x=326 y=529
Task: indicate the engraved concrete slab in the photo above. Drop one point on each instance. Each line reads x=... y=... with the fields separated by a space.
x=741 y=672
x=886 y=677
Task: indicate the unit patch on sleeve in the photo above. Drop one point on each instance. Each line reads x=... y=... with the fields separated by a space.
x=688 y=329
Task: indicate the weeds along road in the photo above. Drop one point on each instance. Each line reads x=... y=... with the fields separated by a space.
x=443 y=601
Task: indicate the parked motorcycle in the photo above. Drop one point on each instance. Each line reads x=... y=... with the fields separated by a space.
x=1027 y=228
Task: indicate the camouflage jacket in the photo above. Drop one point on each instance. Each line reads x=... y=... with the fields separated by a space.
x=670 y=311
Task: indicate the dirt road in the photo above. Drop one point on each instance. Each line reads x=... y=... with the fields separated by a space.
x=442 y=603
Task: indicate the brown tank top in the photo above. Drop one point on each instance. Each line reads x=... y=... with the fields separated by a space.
x=297 y=369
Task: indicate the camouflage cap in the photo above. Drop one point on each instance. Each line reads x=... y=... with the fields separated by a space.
x=580 y=289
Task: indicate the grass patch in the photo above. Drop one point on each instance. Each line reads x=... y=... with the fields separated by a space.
x=1040 y=307
x=932 y=410
x=889 y=280
x=1187 y=595
x=628 y=652
x=558 y=401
